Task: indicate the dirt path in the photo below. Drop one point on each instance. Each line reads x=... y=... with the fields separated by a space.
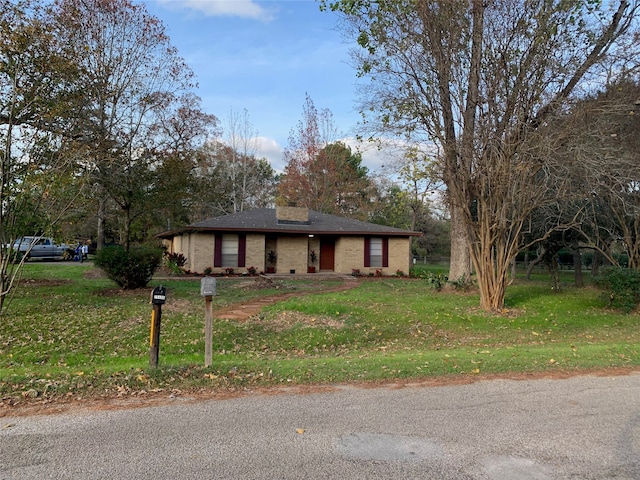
x=243 y=311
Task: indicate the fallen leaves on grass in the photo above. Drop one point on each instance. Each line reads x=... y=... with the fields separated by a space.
x=289 y=318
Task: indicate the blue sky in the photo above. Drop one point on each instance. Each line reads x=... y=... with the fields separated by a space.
x=263 y=56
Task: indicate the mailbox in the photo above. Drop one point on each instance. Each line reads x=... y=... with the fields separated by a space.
x=158 y=296
x=208 y=287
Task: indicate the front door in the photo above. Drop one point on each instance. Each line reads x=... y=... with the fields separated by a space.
x=327 y=254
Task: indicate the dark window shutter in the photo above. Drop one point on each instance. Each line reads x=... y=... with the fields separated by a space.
x=367 y=252
x=385 y=252
x=217 y=251
x=242 y=250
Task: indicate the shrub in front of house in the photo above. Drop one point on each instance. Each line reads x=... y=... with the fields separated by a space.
x=175 y=262
x=129 y=269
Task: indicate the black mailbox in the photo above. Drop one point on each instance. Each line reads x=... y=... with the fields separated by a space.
x=159 y=296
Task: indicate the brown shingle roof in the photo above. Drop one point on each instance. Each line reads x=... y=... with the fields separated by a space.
x=264 y=220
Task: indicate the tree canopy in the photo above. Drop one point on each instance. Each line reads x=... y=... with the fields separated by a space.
x=38 y=161
x=481 y=79
x=131 y=76
x=323 y=173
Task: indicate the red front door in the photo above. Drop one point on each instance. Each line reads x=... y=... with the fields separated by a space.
x=327 y=254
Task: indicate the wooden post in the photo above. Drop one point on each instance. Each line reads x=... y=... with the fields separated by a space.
x=208 y=290
x=154 y=349
x=208 y=331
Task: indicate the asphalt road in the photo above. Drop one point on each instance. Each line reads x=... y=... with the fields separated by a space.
x=579 y=428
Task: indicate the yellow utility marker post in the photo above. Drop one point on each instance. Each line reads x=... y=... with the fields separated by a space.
x=158 y=297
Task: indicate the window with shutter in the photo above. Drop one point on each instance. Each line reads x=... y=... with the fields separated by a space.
x=230 y=251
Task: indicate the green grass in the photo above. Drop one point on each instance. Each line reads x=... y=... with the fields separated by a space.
x=70 y=332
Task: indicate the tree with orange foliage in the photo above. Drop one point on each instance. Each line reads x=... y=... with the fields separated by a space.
x=322 y=173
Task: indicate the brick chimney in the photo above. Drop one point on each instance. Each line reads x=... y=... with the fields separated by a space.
x=292 y=215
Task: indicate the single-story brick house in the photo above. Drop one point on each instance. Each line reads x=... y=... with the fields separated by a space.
x=290 y=240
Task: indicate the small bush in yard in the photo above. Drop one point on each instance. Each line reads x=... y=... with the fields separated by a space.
x=132 y=269
x=622 y=286
x=436 y=280
x=462 y=284
x=178 y=258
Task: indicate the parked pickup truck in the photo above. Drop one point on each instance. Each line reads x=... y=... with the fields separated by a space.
x=42 y=247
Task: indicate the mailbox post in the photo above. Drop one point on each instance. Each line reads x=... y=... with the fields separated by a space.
x=208 y=290
x=158 y=297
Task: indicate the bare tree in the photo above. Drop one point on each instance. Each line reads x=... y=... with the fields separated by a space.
x=222 y=187
x=242 y=139
x=604 y=146
x=480 y=79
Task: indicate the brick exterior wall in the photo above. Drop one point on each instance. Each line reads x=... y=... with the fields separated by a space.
x=201 y=251
x=399 y=256
x=255 y=256
x=292 y=253
x=350 y=255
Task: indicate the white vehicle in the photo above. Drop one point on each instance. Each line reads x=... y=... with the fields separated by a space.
x=42 y=247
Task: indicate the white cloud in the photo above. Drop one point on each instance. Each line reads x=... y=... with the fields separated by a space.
x=272 y=151
x=266 y=148
x=217 y=8
x=376 y=156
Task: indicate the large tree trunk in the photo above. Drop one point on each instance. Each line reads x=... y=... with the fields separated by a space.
x=492 y=260
x=460 y=262
x=595 y=263
x=577 y=264
x=102 y=213
x=460 y=268
x=541 y=253
x=127 y=227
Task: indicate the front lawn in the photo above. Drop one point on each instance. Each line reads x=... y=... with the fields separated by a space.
x=69 y=332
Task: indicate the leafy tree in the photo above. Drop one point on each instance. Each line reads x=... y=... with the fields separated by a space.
x=480 y=79
x=322 y=173
x=131 y=75
x=37 y=89
x=181 y=133
x=396 y=207
x=435 y=236
x=415 y=172
x=392 y=206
